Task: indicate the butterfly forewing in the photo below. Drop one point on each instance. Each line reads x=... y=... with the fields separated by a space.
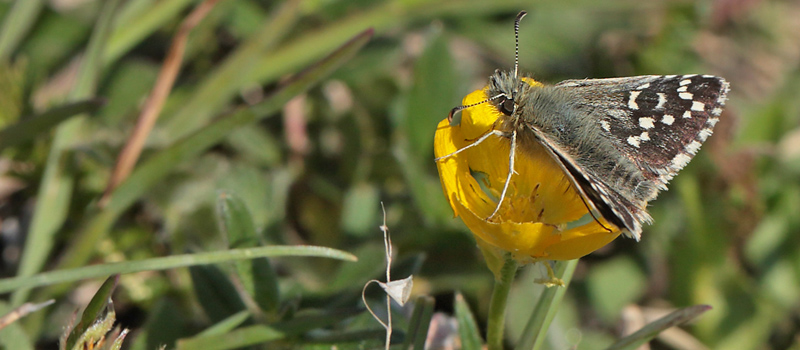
x=659 y=122
x=622 y=139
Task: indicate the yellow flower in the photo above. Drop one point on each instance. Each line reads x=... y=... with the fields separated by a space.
x=532 y=221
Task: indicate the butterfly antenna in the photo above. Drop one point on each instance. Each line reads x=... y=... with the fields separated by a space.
x=516 y=43
x=460 y=108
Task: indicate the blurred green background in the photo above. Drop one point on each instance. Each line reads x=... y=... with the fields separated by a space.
x=314 y=170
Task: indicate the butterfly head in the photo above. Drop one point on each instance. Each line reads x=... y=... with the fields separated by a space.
x=505 y=90
x=504 y=87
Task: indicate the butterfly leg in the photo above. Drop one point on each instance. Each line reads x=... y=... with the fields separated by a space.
x=477 y=142
x=511 y=156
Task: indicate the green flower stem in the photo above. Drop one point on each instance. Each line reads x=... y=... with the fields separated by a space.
x=542 y=316
x=497 y=307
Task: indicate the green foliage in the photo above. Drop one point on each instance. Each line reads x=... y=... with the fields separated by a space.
x=288 y=125
x=467 y=326
x=614 y=284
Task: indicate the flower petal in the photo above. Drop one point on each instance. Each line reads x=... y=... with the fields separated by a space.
x=582 y=240
x=540 y=200
x=454 y=172
x=479 y=119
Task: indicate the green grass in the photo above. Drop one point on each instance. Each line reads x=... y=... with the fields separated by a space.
x=287 y=126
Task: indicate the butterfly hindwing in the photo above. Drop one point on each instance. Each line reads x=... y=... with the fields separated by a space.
x=595 y=191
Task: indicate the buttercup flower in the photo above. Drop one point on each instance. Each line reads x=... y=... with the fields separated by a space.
x=532 y=222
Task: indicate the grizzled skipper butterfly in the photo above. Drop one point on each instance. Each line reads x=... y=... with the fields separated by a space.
x=619 y=141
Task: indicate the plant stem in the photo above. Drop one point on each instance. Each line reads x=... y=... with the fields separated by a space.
x=497 y=307
x=536 y=328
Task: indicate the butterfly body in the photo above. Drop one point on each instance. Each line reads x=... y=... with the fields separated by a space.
x=620 y=140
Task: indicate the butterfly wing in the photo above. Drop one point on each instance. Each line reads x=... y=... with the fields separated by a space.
x=621 y=140
x=595 y=191
x=658 y=122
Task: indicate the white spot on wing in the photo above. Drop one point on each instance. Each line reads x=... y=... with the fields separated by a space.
x=633 y=141
x=632 y=101
x=698 y=106
x=704 y=134
x=685 y=82
x=643 y=86
x=645 y=136
x=712 y=121
x=716 y=111
x=606 y=126
x=667 y=119
x=686 y=95
x=646 y=122
x=680 y=161
x=692 y=147
x=687 y=115
x=662 y=99
x=682 y=88
x=723 y=95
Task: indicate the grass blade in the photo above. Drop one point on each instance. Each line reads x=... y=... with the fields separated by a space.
x=31 y=127
x=301 y=51
x=14 y=336
x=467 y=327
x=227 y=324
x=94 y=310
x=419 y=323
x=55 y=191
x=232 y=340
x=129 y=33
x=229 y=78
x=647 y=333
x=22 y=311
x=169 y=262
x=256 y=334
x=160 y=165
x=16 y=25
x=155 y=100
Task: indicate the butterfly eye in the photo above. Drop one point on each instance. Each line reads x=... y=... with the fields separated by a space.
x=507 y=106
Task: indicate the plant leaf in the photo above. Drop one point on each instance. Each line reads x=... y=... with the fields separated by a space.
x=94 y=310
x=163 y=263
x=651 y=330
x=467 y=327
x=227 y=324
x=234 y=339
x=16 y=25
x=419 y=323
x=55 y=191
x=31 y=127
x=160 y=165
x=215 y=292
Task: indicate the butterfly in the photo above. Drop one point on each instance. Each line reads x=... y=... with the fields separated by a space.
x=619 y=141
